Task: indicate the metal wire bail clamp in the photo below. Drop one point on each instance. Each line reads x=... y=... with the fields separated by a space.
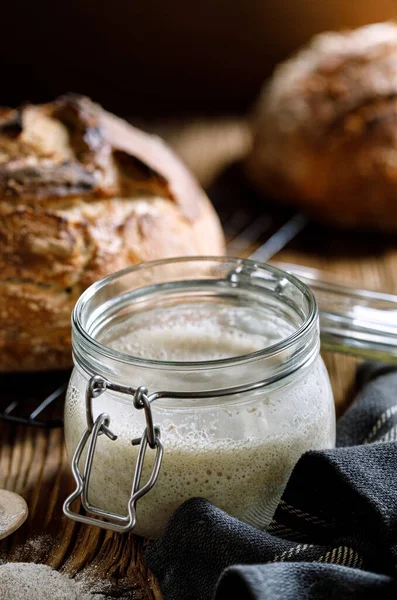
x=151 y=437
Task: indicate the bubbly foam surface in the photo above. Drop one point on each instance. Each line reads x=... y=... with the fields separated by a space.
x=196 y=332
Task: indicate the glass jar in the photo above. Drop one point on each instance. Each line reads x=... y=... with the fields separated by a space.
x=236 y=344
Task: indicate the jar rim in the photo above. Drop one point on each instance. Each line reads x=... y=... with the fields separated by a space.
x=308 y=324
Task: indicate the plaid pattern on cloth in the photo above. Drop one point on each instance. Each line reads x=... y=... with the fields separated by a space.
x=334 y=534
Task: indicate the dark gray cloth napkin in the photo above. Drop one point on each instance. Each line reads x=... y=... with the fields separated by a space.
x=334 y=534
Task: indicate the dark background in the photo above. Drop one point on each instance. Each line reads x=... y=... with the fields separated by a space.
x=162 y=57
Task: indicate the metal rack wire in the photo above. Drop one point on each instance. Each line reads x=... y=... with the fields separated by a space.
x=33 y=399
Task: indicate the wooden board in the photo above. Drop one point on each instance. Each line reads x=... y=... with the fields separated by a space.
x=33 y=461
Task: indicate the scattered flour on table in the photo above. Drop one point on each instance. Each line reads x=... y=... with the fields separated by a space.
x=35 y=549
x=39 y=582
x=25 y=580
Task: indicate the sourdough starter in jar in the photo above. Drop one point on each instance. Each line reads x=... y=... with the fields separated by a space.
x=236 y=454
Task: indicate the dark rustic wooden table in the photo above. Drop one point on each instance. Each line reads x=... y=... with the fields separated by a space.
x=33 y=461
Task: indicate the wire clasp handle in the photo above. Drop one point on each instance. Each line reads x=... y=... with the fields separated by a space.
x=151 y=437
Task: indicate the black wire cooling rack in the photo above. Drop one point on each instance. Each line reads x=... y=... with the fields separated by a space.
x=37 y=399
x=33 y=398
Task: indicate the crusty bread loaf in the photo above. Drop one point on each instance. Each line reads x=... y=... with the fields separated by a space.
x=82 y=194
x=326 y=129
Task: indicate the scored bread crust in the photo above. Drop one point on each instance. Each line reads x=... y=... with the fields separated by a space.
x=325 y=129
x=83 y=194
